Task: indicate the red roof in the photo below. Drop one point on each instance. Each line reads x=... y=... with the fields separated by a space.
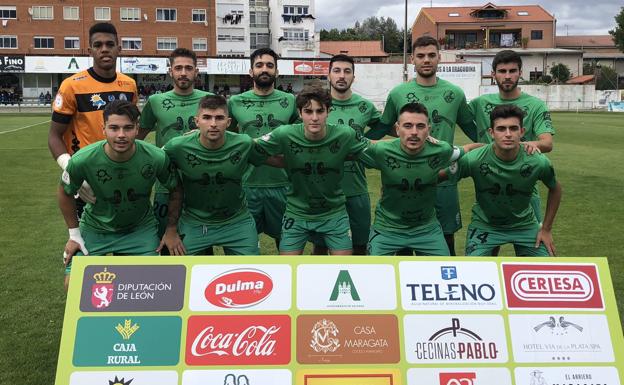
x=368 y=48
x=528 y=13
x=585 y=41
x=583 y=79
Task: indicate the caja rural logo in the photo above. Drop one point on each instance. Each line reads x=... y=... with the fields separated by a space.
x=557 y=286
x=239 y=288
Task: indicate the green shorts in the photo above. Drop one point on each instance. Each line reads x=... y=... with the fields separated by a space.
x=334 y=232
x=142 y=241
x=236 y=238
x=161 y=209
x=428 y=240
x=536 y=203
x=481 y=242
x=267 y=206
x=359 y=212
x=447 y=208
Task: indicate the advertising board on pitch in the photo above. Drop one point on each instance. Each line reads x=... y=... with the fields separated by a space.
x=567 y=376
x=237 y=377
x=459 y=376
x=450 y=286
x=160 y=377
x=346 y=287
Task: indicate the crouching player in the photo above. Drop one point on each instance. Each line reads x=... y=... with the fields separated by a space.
x=209 y=200
x=405 y=217
x=504 y=177
x=121 y=171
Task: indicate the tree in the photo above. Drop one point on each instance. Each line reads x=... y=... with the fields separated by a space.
x=605 y=77
x=372 y=28
x=560 y=73
x=618 y=31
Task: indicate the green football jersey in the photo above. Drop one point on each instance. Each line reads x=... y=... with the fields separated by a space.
x=257 y=115
x=536 y=121
x=122 y=189
x=358 y=113
x=315 y=168
x=503 y=189
x=408 y=191
x=212 y=179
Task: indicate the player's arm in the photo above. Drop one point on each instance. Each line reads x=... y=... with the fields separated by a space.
x=67 y=205
x=466 y=120
x=386 y=122
x=233 y=123
x=544 y=143
x=148 y=120
x=56 y=144
x=552 y=205
x=171 y=238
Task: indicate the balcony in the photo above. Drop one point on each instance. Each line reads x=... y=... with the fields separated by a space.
x=482 y=38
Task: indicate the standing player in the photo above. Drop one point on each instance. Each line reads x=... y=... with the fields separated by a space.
x=539 y=131
x=121 y=172
x=314 y=155
x=504 y=178
x=358 y=113
x=77 y=118
x=172 y=114
x=257 y=112
x=211 y=163
x=405 y=215
x=447 y=106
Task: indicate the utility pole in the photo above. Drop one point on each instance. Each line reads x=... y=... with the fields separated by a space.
x=405 y=45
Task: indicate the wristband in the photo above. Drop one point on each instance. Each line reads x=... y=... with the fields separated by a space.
x=62 y=160
x=75 y=233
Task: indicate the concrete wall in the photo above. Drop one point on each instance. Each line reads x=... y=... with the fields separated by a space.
x=558 y=97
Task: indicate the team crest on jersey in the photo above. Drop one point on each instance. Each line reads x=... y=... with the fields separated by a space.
x=65 y=177
x=526 y=170
x=97 y=101
x=192 y=160
x=284 y=103
x=295 y=148
x=167 y=104
x=58 y=101
x=412 y=98
x=392 y=163
x=449 y=96
x=147 y=171
x=362 y=107
x=488 y=108
x=103 y=176
x=235 y=157
x=334 y=147
x=434 y=162
x=485 y=169
x=123 y=97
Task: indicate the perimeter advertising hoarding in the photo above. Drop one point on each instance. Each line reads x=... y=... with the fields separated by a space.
x=340 y=321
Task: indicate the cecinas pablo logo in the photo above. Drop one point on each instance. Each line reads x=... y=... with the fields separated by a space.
x=553 y=286
x=239 y=288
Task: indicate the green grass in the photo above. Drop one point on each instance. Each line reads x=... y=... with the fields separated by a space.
x=587 y=157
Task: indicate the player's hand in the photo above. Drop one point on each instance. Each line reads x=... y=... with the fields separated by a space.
x=73 y=245
x=433 y=140
x=172 y=240
x=86 y=193
x=531 y=148
x=545 y=237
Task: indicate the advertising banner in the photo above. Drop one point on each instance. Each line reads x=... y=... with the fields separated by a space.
x=312 y=320
x=12 y=63
x=144 y=65
x=57 y=64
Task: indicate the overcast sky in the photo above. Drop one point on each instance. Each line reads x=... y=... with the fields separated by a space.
x=582 y=17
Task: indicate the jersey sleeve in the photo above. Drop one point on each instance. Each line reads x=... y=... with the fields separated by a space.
x=369 y=156
x=72 y=178
x=270 y=144
x=547 y=175
x=466 y=120
x=167 y=173
x=294 y=117
x=148 y=119
x=64 y=103
x=542 y=122
x=387 y=120
x=376 y=129
x=458 y=169
x=357 y=143
x=233 y=122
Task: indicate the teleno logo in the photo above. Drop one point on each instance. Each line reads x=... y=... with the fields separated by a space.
x=238 y=340
x=239 y=288
x=552 y=286
x=466 y=378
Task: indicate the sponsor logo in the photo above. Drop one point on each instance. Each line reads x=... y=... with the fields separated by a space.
x=567 y=376
x=120 y=381
x=441 y=345
x=359 y=377
x=448 y=272
x=344 y=286
x=97 y=101
x=303 y=67
x=58 y=101
x=102 y=290
x=125 y=377
x=238 y=340
x=239 y=288
x=465 y=378
x=237 y=377
x=127 y=330
x=342 y=339
x=231 y=379
x=552 y=286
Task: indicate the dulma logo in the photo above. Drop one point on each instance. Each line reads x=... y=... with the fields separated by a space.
x=239 y=288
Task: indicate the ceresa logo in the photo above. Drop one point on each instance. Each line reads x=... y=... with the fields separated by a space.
x=239 y=288
x=552 y=286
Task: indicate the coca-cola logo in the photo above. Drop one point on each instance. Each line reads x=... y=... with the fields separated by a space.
x=239 y=288
x=552 y=286
x=238 y=340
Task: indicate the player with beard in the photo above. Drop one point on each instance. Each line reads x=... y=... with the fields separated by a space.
x=257 y=112
x=539 y=131
x=358 y=113
x=172 y=114
x=447 y=106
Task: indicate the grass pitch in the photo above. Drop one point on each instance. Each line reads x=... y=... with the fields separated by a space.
x=586 y=157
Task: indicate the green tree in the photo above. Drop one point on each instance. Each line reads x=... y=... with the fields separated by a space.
x=606 y=78
x=560 y=73
x=372 y=28
x=618 y=31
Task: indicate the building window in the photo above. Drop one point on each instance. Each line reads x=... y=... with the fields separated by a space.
x=259 y=40
x=231 y=34
x=166 y=43
x=8 y=13
x=199 y=15
x=131 y=43
x=166 y=14
x=43 y=12
x=72 y=42
x=70 y=13
x=535 y=75
x=258 y=3
x=200 y=44
x=259 y=19
x=102 y=13
x=295 y=10
x=536 y=35
x=523 y=13
x=44 y=42
x=8 y=41
x=296 y=34
x=453 y=14
x=130 y=14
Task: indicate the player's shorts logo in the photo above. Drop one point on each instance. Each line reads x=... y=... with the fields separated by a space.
x=102 y=290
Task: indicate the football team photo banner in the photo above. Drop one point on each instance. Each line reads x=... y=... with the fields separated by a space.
x=310 y=320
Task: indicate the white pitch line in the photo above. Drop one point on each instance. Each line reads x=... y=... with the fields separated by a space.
x=21 y=128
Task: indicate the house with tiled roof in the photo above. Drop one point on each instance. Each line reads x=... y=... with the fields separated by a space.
x=360 y=51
